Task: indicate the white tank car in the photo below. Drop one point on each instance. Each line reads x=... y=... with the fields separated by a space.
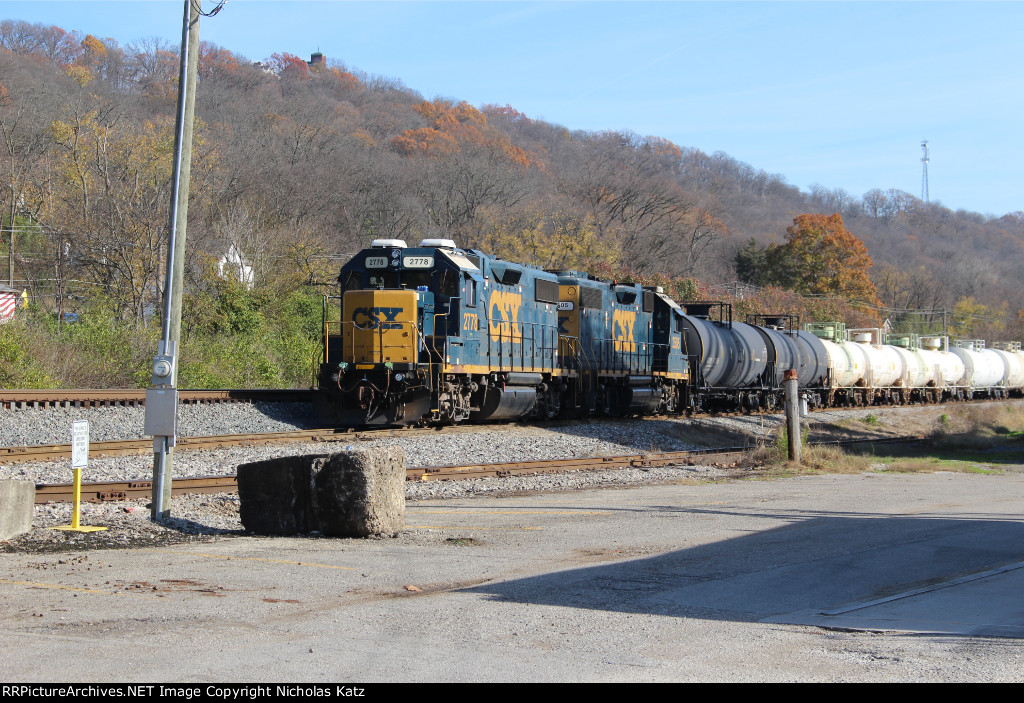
x=891 y=368
x=884 y=365
x=984 y=368
x=1013 y=359
x=917 y=371
x=949 y=368
x=847 y=362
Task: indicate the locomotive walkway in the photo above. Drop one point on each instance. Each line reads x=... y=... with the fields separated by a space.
x=874 y=577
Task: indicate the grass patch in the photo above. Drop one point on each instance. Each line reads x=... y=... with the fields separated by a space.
x=930 y=464
x=773 y=459
x=968 y=439
x=980 y=427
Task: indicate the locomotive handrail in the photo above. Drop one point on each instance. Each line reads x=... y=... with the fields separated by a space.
x=327 y=326
x=613 y=354
x=502 y=333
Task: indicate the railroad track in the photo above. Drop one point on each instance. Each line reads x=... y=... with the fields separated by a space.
x=54 y=452
x=94 y=398
x=143 y=445
x=141 y=489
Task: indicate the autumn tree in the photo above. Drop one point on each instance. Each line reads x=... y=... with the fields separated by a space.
x=820 y=257
x=973 y=319
x=25 y=106
x=546 y=235
x=625 y=184
x=289 y=66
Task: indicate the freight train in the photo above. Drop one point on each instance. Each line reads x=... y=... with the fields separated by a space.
x=439 y=334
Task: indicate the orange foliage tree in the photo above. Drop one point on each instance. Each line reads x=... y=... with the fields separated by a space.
x=820 y=257
x=453 y=126
x=288 y=65
x=825 y=258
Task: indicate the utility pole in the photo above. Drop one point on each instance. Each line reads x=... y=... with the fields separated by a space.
x=162 y=395
x=10 y=250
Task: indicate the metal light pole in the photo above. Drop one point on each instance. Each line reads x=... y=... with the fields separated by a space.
x=162 y=395
x=10 y=250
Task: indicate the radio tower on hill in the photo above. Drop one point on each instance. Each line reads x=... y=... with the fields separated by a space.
x=924 y=172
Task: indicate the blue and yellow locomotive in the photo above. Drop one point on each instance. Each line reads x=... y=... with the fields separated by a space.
x=435 y=333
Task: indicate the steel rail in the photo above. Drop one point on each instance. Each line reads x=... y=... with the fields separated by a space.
x=144 y=445
x=141 y=489
x=49 y=452
x=96 y=397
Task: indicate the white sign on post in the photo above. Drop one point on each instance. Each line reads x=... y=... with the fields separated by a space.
x=79 y=444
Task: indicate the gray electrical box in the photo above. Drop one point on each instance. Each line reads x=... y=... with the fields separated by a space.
x=161 y=412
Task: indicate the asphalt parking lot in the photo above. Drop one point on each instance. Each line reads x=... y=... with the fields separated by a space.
x=831 y=578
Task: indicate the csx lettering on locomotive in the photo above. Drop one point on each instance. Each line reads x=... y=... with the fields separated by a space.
x=377 y=318
x=504 y=313
x=624 y=322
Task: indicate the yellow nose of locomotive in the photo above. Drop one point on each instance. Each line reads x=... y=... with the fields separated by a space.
x=379 y=326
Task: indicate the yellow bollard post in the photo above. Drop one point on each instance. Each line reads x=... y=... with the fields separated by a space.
x=76 y=509
x=79 y=458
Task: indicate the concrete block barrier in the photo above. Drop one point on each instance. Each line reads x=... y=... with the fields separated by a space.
x=16 y=501
x=354 y=493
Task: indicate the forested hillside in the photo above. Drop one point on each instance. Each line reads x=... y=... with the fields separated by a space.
x=298 y=164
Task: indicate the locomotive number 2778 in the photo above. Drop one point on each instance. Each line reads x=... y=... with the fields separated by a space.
x=470 y=322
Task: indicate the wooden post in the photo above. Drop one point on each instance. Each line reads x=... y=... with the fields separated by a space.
x=793 y=414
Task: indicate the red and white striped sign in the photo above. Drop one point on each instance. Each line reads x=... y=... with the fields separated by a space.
x=8 y=301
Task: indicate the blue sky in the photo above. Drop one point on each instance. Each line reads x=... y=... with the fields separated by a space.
x=834 y=93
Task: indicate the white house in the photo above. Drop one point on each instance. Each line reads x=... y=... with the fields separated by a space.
x=234 y=264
